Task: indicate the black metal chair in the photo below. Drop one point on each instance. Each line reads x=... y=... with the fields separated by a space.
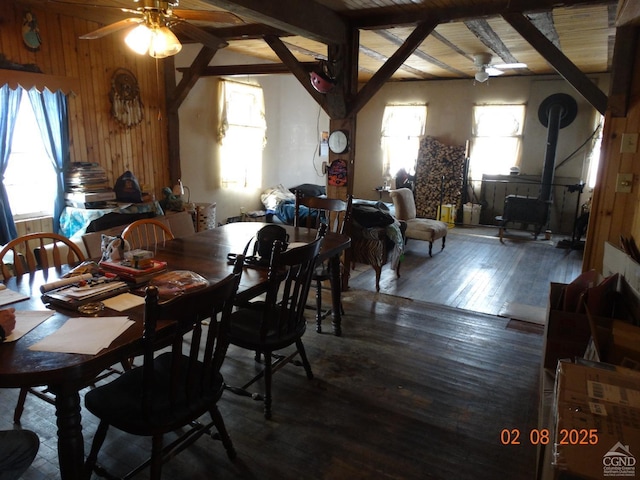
x=336 y=214
x=173 y=389
x=277 y=322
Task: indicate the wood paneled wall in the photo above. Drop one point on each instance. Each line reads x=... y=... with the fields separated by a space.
x=94 y=134
x=613 y=213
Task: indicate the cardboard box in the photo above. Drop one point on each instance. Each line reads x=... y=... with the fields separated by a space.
x=567 y=334
x=596 y=431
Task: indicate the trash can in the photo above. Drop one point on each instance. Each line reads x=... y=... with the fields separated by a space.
x=471 y=214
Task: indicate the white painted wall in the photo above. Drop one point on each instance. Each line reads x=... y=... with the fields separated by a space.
x=449 y=119
x=294 y=123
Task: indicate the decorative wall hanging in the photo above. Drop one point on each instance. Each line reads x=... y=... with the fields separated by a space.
x=337 y=175
x=126 y=106
x=31 y=32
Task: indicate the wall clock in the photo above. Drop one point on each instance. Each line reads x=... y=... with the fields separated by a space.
x=338 y=141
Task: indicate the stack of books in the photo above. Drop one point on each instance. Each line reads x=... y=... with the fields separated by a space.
x=75 y=294
x=87 y=186
x=129 y=273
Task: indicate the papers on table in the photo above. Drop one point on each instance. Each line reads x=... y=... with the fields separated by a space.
x=123 y=302
x=8 y=296
x=27 y=321
x=84 y=335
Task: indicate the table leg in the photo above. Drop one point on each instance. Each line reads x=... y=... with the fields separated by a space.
x=70 y=441
x=336 y=288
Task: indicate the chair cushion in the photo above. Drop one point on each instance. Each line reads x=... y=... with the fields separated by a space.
x=426 y=229
x=119 y=402
x=404 y=203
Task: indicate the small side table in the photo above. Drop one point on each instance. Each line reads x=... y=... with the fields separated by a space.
x=382 y=190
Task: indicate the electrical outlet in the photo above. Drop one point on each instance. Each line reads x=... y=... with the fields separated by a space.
x=624 y=181
x=629 y=143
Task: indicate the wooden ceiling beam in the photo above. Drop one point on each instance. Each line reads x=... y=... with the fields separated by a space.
x=558 y=61
x=544 y=22
x=308 y=19
x=487 y=35
x=383 y=18
x=190 y=77
x=248 y=69
x=628 y=13
x=622 y=73
x=385 y=72
x=391 y=37
x=296 y=68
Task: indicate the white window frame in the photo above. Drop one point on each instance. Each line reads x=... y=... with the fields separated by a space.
x=496 y=143
x=402 y=128
x=30 y=168
x=241 y=134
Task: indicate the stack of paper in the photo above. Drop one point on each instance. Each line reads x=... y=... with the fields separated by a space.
x=85 y=335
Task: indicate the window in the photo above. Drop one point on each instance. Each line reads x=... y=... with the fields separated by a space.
x=30 y=168
x=497 y=139
x=594 y=153
x=402 y=127
x=242 y=129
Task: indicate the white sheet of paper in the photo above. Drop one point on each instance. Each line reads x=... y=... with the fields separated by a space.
x=8 y=296
x=84 y=335
x=124 y=301
x=27 y=321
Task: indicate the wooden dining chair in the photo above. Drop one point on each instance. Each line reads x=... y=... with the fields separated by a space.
x=38 y=251
x=28 y=253
x=172 y=388
x=310 y=212
x=147 y=232
x=277 y=322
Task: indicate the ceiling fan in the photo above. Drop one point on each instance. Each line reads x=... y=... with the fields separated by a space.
x=156 y=24
x=485 y=69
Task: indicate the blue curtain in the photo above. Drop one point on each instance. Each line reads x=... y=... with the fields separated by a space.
x=9 y=105
x=52 y=116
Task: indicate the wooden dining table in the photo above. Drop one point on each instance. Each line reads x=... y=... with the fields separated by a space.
x=65 y=374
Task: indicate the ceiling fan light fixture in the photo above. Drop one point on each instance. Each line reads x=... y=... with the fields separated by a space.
x=481 y=75
x=157 y=41
x=163 y=43
x=138 y=39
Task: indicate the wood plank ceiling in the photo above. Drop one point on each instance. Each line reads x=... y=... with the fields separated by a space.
x=583 y=30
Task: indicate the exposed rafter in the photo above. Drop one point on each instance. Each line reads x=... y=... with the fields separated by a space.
x=314 y=21
x=481 y=29
x=558 y=60
x=381 y=18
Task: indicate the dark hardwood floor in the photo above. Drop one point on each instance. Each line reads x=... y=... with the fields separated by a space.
x=412 y=390
x=476 y=272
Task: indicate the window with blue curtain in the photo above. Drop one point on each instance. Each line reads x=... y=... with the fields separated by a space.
x=34 y=152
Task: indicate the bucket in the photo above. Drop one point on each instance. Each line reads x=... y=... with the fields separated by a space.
x=471 y=214
x=447 y=214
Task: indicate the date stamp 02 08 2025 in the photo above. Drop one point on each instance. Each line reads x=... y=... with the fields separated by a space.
x=566 y=436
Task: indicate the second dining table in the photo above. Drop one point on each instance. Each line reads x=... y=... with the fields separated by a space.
x=66 y=374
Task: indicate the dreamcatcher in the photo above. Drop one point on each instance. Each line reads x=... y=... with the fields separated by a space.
x=126 y=106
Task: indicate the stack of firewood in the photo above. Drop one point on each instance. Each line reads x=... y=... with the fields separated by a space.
x=439 y=176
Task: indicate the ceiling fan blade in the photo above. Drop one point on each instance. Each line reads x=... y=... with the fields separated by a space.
x=197 y=34
x=509 y=66
x=494 y=72
x=214 y=16
x=112 y=28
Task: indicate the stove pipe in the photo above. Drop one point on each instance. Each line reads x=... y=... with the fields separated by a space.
x=555 y=112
